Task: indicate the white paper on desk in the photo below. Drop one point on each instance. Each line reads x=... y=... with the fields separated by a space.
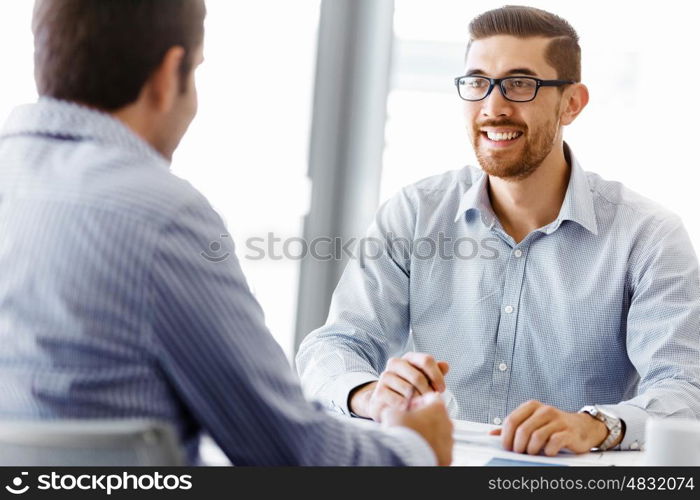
x=474 y=433
x=481 y=438
x=468 y=426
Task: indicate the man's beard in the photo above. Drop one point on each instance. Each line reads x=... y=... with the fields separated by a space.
x=537 y=147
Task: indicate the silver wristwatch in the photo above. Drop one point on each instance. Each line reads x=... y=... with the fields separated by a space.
x=613 y=424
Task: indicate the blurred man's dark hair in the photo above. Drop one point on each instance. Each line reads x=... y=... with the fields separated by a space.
x=101 y=52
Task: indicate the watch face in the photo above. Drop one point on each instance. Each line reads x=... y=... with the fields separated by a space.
x=613 y=424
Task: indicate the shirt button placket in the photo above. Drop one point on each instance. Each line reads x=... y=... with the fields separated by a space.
x=506 y=333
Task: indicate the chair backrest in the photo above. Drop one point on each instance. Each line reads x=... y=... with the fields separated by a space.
x=133 y=442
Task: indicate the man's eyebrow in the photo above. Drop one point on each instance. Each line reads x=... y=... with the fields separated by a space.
x=522 y=71
x=514 y=71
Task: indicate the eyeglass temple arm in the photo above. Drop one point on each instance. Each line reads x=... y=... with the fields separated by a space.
x=554 y=83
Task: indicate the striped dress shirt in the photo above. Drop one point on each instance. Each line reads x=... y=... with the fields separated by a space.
x=112 y=305
x=601 y=306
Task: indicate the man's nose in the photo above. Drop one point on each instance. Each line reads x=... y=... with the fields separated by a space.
x=496 y=105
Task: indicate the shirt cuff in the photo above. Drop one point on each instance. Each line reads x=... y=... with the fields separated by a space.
x=340 y=388
x=635 y=420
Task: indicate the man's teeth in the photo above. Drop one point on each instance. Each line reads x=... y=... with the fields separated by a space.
x=502 y=136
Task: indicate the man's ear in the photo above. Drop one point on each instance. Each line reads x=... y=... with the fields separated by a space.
x=163 y=86
x=573 y=102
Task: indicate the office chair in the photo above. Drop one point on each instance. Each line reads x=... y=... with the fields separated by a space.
x=135 y=442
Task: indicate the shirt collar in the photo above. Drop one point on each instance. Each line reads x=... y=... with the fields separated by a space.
x=476 y=199
x=68 y=120
x=577 y=206
x=578 y=203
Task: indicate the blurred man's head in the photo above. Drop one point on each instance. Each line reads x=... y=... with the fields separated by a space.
x=132 y=58
x=512 y=139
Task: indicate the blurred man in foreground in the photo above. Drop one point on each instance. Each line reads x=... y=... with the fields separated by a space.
x=108 y=306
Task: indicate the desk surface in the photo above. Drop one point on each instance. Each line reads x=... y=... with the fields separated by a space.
x=473 y=446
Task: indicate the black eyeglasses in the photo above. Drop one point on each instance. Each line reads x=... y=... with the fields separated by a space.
x=513 y=88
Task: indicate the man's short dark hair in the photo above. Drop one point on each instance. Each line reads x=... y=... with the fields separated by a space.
x=563 y=52
x=101 y=52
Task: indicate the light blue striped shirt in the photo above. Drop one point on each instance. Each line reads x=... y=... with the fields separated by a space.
x=109 y=309
x=601 y=306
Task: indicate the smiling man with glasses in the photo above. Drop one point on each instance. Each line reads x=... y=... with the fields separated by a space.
x=575 y=316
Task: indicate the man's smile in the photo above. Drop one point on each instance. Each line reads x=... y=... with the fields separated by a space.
x=501 y=138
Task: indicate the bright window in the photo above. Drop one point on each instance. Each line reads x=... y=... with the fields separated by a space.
x=247 y=149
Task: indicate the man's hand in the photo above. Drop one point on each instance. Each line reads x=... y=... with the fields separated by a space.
x=533 y=427
x=413 y=374
x=428 y=417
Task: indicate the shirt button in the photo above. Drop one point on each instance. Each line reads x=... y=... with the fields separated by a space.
x=508 y=309
x=518 y=253
x=634 y=445
x=503 y=367
x=497 y=421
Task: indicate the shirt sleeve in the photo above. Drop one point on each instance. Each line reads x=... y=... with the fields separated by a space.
x=663 y=333
x=231 y=376
x=369 y=315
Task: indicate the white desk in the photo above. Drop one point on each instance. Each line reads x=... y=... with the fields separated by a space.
x=471 y=450
x=473 y=446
